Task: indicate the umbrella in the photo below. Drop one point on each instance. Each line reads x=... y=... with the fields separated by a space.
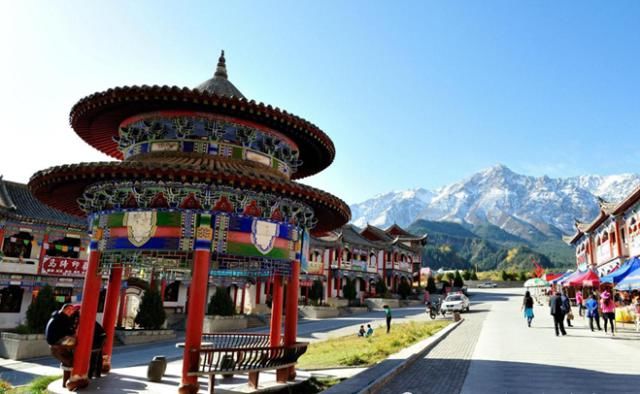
x=536 y=282
x=619 y=274
x=630 y=282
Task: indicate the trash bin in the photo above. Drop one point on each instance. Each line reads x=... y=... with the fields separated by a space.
x=157 y=368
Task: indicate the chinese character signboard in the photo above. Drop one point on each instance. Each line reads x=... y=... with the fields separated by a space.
x=62 y=266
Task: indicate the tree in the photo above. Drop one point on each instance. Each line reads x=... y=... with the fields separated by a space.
x=504 y=275
x=457 y=280
x=450 y=276
x=439 y=277
x=431 y=284
x=466 y=275
x=349 y=289
x=151 y=314
x=523 y=276
x=381 y=288
x=474 y=275
x=221 y=303
x=40 y=310
x=317 y=292
x=404 y=289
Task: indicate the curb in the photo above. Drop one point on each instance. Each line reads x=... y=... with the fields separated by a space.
x=372 y=386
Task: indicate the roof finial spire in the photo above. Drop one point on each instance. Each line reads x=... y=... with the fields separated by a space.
x=221 y=70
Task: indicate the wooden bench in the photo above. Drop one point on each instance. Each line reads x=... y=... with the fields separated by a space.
x=230 y=353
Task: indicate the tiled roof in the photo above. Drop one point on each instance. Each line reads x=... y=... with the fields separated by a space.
x=351 y=235
x=18 y=203
x=220 y=84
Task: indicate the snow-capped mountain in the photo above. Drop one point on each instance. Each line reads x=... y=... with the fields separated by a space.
x=526 y=206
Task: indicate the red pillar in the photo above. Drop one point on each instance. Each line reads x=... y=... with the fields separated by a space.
x=258 y=292
x=163 y=288
x=109 y=318
x=88 y=310
x=2 y=238
x=276 y=311
x=291 y=318
x=195 y=316
x=244 y=289
x=329 y=274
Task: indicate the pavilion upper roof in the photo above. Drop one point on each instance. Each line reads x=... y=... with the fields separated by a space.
x=219 y=84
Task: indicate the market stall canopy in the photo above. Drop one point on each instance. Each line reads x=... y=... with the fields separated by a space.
x=536 y=282
x=561 y=277
x=630 y=282
x=622 y=272
x=588 y=279
x=565 y=281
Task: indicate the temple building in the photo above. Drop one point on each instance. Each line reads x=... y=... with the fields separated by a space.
x=204 y=190
x=38 y=245
x=609 y=239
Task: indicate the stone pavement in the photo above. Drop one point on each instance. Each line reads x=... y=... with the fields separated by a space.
x=496 y=353
x=22 y=372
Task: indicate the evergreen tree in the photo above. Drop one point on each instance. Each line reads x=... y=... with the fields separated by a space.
x=381 y=288
x=431 y=284
x=221 y=303
x=504 y=275
x=151 y=314
x=466 y=275
x=404 y=289
x=317 y=292
x=457 y=280
x=450 y=276
x=349 y=289
x=523 y=276
x=40 y=310
x=474 y=275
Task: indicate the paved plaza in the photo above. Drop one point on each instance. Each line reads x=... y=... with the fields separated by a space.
x=494 y=351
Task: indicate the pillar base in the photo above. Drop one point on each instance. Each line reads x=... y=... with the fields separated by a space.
x=76 y=383
x=189 y=388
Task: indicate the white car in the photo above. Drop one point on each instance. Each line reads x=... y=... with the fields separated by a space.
x=487 y=285
x=455 y=303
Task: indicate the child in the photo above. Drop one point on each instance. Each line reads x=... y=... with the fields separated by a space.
x=369 y=331
x=361 y=332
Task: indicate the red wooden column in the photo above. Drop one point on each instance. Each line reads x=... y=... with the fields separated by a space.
x=329 y=275
x=111 y=306
x=244 y=290
x=88 y=310
x=163 y=288
x=195 y=310
x=276 y=311
x=2 y=238
x=291 y=319
x=258 y=292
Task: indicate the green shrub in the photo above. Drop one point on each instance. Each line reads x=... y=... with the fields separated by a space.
x=151 y=314
x=40 y=310
x=221 y=303
x=39 y=385
x=504 y=275
x=450 y=276
x=316 y=294
x=474 y=275
x=466 y=275
x=5 y=386
x=523 y=276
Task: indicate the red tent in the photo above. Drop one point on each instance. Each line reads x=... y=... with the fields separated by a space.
x=589 y=279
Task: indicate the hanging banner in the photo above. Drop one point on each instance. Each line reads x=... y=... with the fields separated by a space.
x=62 y=266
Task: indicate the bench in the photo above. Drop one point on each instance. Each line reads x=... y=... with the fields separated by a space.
x=230 y=353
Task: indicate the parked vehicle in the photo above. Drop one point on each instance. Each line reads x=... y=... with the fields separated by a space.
x=487 y=285
x=455 y=303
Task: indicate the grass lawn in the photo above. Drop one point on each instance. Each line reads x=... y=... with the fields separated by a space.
x=36 y=386
x=354 y=351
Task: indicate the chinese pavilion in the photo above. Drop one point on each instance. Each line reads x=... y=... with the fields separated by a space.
x=205 y=184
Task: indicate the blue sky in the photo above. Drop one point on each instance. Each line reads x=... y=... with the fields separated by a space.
x=413 y=93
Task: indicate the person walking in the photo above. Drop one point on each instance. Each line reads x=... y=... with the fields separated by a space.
x=566 y=307
x=592 y=311
x=580 y=303
x=608 y=308
x=555 y=305
x=527 y=306
x=387 y=312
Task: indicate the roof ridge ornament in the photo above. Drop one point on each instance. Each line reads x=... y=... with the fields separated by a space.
x=221 y=69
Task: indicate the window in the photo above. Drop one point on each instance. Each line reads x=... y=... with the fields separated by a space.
x=11 y=299
x=65 y=247
x=172 y=290
x=18 y=245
